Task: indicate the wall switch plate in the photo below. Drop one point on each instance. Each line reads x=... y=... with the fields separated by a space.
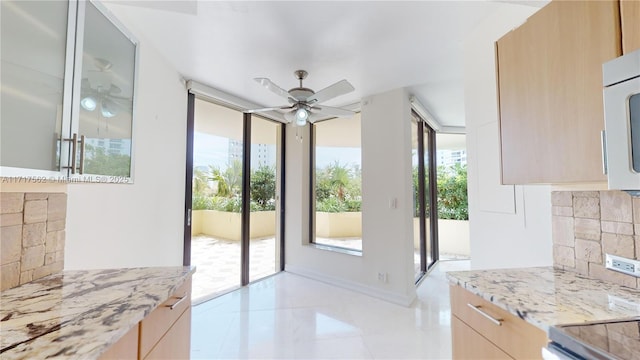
x=623 y=265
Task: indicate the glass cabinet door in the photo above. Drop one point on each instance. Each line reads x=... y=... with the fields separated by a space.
x=104 y=102
x=35 y=58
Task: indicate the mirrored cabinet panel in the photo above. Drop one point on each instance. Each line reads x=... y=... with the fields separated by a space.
x=68 y=75
x=106 y=96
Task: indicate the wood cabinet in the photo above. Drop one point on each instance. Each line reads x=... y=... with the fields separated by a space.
x=163 y=334
x=550 y=92
x=126 y=348
x=630 y=20
x=481 y=330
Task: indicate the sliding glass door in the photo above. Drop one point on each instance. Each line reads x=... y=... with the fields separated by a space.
x=425 y=222
x=233 y=234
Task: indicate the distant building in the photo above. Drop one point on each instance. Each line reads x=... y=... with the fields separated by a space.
x=261 y=154
x=449 y=158
x=111 y=146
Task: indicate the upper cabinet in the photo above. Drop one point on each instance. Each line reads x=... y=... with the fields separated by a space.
x=68 y=71
x=630 y=19
x=550 y=92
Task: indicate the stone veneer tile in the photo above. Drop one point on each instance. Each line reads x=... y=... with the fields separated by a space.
x=32 y=257
x=564 y=255
x=616 y=206
x=10 y=244
x=582 y=267
x=57 y=207
x=586 y=207
x=636 y=209
x=10 y=219
x=637 y=240
x=11 y=202
x=33 y=234
x=36 y=196
x=562 y=211
x=600 y=272
x=9 y=275
x=621 y=245
x=561 y=198
x=589 y=251
x=617 y=227
x=588 y=229
x=55 y=225
x=35 y=211
x=562 y=230
x=589 y=194
x=26 y=276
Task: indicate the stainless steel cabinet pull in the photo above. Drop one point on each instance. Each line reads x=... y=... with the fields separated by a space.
x=489 y=317
x=81 y=167
x=174 y=305
x=74 y=149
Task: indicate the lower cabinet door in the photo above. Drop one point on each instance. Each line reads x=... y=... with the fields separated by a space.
x=176 y=343
x=125 y=349
x=468 y=344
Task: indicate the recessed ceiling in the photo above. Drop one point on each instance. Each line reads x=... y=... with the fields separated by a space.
x=377 y=45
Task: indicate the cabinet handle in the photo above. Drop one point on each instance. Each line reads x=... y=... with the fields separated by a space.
x=603 y=144
x=174 y=305
x=81 y=168
x=489 y=317
x=74 y=149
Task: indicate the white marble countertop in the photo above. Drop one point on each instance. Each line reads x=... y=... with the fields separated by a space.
x=80 y=314
x=544 y=296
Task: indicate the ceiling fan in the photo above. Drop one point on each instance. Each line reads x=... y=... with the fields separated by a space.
x=99 y=91
x=304 y=103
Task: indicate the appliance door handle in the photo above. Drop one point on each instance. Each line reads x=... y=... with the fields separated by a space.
x=497 y=322
x=603 y=144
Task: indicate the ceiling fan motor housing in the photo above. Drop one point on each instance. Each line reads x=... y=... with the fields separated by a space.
x=301 y=93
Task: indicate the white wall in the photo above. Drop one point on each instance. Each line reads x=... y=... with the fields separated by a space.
x=509 y=226
x=139 y=224
x=387 y=233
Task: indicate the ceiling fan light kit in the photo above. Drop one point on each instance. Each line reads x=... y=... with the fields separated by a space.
x=303 y=102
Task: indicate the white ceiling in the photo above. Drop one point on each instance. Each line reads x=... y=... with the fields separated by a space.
x=377 y=45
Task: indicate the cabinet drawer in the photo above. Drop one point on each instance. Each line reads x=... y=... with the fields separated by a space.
x=154 y=326
x=176 y=343
x=468 y=344
x=513 y=335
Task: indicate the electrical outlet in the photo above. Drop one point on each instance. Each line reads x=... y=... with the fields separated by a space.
x=616 y=303
x=623 y=265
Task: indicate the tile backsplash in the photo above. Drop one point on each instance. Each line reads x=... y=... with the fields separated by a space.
x=32 y=236
x=586 y=225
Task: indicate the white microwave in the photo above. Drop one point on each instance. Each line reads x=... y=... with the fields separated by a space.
x=621 y=138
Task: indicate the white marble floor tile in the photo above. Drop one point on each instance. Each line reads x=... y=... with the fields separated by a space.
x=291 y=317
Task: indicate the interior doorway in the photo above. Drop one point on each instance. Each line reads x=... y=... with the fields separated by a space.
x=233 y=207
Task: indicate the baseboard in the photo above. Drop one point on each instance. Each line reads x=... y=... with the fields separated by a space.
x=400 y=299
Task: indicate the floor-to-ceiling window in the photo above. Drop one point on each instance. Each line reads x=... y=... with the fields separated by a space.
x=235 y=233
x=336 y=196
x=425 y=228
x=453 y=208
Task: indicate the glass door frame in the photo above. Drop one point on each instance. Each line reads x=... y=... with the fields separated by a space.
x=246 y=182
x=424 y=130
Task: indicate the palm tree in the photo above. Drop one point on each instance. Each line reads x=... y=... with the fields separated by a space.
x=340 y=178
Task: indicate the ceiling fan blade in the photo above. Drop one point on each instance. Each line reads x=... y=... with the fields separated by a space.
x=270 y=85
x=290 y=116
x=332 y=111
x=251 y=111
x=340 y=88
